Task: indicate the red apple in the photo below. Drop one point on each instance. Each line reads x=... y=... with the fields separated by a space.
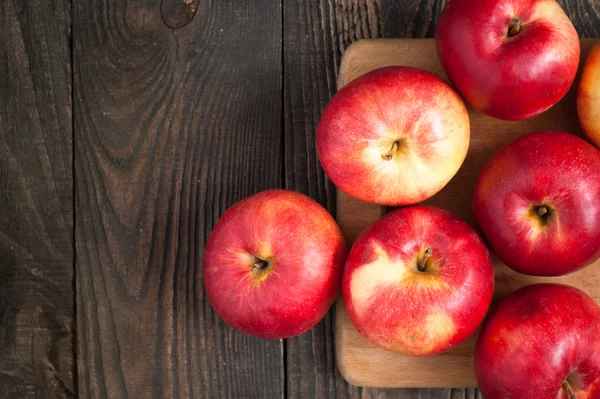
x=537 y=202
x=542 y=342
x=510 y=59
x=394 y=136
x=273 y=264
x=418 y=281
x=588 y=96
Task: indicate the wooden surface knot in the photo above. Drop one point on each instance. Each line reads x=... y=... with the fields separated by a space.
x=178 y=13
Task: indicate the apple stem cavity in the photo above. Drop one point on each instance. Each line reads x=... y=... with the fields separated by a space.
x=567 y=387
x=259 y=265
x=390 y=154
x=514 y=28
x=543 y=213
x=423 y=262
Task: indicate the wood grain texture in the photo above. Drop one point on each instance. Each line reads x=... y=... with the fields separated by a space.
x=360 y=362
x=585 y=15
x=36 y=203
x=172 y=126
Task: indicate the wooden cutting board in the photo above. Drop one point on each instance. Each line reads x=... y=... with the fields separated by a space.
x=358 y=361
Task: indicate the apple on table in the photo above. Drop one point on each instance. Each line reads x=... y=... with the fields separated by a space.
x=273 y=264
x=510 y=59
x=537 y=203
x=394 y=136
x=542 y=342
x=418 y=281
x=588 y=96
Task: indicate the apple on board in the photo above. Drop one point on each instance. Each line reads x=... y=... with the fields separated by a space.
x=541 y=342
x=588 y=96
x=510 y=59
x=394 y=136
x=273 y=264
x=418 y=281
x=537 y=202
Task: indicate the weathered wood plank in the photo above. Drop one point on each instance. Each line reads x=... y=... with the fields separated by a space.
x=172 y=126
x=36 y=202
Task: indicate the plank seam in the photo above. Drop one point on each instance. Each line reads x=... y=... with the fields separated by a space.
x=74 y=205
x=284 y=342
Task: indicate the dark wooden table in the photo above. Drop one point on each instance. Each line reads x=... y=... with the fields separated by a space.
x=126 y=130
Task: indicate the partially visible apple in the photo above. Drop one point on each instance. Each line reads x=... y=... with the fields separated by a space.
x=588 y=96
x=418 y=281
x=542 y=342
x=510 y=59
x=394 y=136
x=537 y=202
x=273 y=264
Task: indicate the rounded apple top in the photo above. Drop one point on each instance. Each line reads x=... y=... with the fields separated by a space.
x=537 y=202
x=394 y=136
x=542 y=342
x=273 y=264
x=418 y=281
x=510 y=59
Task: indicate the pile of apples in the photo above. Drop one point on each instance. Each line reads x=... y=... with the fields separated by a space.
x=420 y=281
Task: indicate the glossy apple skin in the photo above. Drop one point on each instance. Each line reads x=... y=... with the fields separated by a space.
x=535 y=339
x=588 y=96
x=554 y=169
x=409 y=106
x=506 y=77
x=306 y=253
x=399 y=308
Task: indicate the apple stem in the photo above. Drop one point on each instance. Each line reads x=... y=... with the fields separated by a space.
x=515 y=27
x=259 y=265
x=542 y=210
x=390 y=154
x=567 y=387
x=423 y=262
